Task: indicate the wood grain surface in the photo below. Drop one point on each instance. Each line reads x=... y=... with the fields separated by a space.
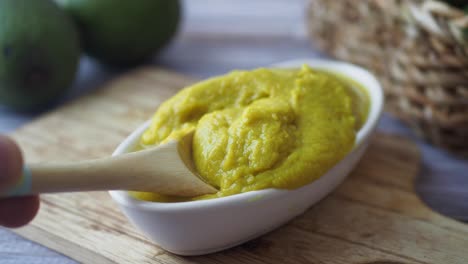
x=373 y=217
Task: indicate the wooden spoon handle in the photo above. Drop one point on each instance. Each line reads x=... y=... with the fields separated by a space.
x=166 y=169
x=151 y=171
x=67 y=177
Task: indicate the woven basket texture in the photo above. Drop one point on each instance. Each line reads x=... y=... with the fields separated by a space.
x=417 y=50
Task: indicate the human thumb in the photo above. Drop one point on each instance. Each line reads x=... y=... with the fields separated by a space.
x=11 y=162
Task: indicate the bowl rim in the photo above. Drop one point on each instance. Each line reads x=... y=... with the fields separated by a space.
x=361 y=76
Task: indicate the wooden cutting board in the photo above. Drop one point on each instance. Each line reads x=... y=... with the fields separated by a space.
x=373 y=217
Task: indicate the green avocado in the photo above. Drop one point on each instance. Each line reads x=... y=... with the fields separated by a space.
x=39 y=53
x=124 y=32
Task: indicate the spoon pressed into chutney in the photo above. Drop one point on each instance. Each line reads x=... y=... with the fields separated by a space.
x=167 y=169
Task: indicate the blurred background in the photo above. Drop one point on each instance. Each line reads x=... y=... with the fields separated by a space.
x=218 y=36
x=214 y=37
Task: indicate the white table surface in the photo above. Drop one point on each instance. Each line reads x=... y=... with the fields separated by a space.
x=218 y=36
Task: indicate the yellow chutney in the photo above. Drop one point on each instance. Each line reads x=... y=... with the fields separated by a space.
x=265 y=128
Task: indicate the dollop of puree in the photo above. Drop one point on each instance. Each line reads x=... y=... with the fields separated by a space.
x=265 y=128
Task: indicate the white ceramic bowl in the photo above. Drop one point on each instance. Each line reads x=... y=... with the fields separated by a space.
x=201 y=227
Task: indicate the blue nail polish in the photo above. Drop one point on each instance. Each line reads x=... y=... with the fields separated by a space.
x=23 y=187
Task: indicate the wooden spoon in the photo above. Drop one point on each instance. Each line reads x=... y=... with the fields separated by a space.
x=165 y=169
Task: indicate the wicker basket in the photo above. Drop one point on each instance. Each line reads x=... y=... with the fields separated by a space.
x=417 y=49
